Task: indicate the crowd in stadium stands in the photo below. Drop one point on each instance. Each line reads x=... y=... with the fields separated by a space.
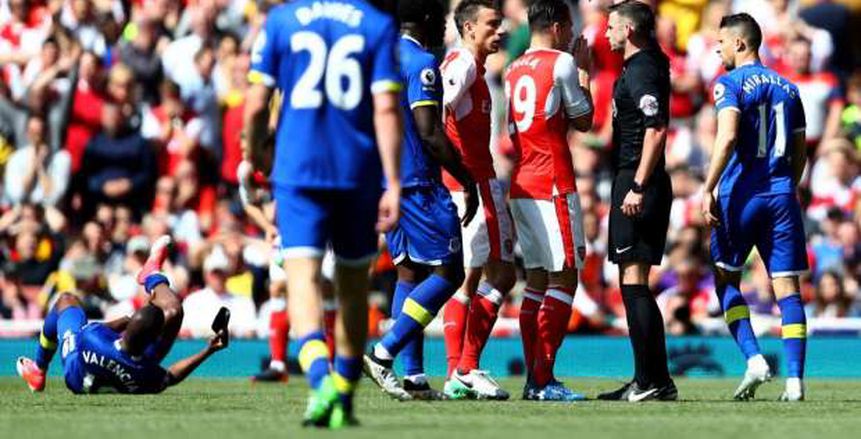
x=120 y=121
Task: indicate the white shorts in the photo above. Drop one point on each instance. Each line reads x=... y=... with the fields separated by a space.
x=491 y=234
x=550 y=232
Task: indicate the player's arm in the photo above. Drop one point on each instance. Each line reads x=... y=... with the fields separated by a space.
x=574 y=82
x=437 y=144
x=457 y=78
x=388 y=127
x=180 y=370
x=729 y=117
x=727 y=133
x=118 y=325
x=799 y=141
x=256 y=120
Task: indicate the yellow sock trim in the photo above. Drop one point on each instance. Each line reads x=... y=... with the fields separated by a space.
x=736 y=313
x=312 y=351
x=342 y=385
x=795 y=330
x=417 y=312
x=46 y=343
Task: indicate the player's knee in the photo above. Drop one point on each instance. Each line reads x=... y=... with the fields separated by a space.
x=66 y=300
x=453 y=273
x=566 y=279
x=536 y=279
x=504 y=278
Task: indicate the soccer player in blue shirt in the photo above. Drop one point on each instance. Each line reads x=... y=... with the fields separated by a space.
x=335 y=64
x=122 y=355
x=756 y=164
x=426 y=244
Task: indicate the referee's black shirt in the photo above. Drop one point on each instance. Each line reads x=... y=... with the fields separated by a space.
x=641 y=99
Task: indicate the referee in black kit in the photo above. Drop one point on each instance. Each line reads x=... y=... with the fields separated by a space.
x=642 y=194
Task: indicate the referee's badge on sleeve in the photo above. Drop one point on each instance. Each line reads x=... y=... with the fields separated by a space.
x=649 y=105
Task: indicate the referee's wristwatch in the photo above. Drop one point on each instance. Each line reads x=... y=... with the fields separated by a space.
x=636 y=188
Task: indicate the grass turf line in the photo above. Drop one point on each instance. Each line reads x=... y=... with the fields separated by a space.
x=220 y=409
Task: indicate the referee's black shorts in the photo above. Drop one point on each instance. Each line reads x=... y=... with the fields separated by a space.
x=642 y=238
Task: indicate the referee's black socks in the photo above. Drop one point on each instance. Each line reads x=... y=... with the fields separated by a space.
x=646 y=329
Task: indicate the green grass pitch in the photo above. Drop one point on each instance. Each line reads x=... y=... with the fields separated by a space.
x=220 y=409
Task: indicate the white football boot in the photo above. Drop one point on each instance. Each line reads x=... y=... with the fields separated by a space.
x=757 y=373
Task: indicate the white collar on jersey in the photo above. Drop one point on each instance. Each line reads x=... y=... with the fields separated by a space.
x=409 y=38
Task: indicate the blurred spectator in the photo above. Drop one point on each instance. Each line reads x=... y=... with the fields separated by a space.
x=178 y=58
x=832 y=300
x=234 y=105
x=198 y=92
x=140 y=53
x=834 y=18
x=123 y=93
x=702 y=46
x=173 y=128
x=35 y=173
x=686 y=14
x=834 y=179
x=118 y=164
x=33 y=253
x=85 y=117
x=200 y=306
x=820 y=93
x=90 y=27
x=851 y=118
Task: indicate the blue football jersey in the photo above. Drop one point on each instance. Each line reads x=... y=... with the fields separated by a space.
x=771 y=114
x=98 y=365
x=420 y=74
x=327 y=57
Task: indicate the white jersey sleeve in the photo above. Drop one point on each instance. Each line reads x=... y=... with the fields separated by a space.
x=458 y=75
x=566 y=78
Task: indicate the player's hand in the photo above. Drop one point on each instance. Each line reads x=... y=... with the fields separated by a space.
x=470 y=198
x=271 y=235
x=582 y=53
x=219 y=341
x=389 y=208
x=632 y=205
x=709 y=210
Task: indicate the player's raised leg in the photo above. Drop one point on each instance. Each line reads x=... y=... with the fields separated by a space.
x=65 y=317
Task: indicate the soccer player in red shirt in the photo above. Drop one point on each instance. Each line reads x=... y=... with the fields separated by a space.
x=548 y=93
x=488 y=241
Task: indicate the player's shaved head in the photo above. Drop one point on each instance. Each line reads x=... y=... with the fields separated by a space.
x=467 y=10
x=426 y=15
x=144 y=328
x=746 y=28
x=543 y=13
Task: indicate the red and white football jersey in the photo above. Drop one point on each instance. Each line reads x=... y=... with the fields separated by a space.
x=467 y=115
x=543 y=92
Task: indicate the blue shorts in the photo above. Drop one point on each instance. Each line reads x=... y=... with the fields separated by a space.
x=310 y=219
x=772 y=224
x=428 y=231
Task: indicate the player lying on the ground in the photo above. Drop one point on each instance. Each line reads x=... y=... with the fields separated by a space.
x=426 y=243
x=758 y=159
x=122 y=355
